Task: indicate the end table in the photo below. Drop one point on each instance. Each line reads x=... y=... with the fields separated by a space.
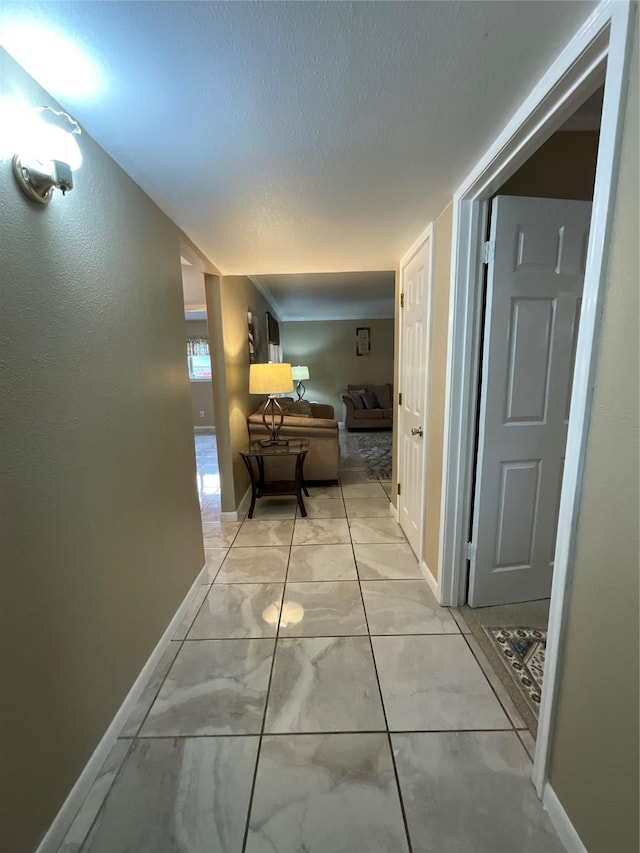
x=297 y=449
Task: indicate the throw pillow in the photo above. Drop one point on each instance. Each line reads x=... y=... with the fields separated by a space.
x=356 y=396
x=384 y=395
x=301 y=409
x=370 y=400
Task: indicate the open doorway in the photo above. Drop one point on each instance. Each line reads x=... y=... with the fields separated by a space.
x=530 y=309
x=201 y=388
x=599 y=52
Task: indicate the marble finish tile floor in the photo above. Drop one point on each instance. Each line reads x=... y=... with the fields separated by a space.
x=315 y=697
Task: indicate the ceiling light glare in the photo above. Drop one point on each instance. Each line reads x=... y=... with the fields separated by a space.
x=16 y=117
x=59 y=137
x=59 y=65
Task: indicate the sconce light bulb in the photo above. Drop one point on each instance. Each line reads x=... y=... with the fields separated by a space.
x=61 y=145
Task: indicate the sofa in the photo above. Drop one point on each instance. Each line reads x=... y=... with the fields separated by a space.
x=314 y=421
x=368 y=407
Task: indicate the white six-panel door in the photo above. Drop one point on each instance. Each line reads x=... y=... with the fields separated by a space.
x=534 y=287
x=414 y=329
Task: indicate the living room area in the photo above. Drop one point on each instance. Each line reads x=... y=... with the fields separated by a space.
x=339 y=329
x=345 y=346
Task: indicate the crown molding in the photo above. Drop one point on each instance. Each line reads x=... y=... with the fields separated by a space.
x=264 y=290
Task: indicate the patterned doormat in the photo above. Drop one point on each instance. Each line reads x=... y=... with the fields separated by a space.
x=373 y=448
x=522 y=651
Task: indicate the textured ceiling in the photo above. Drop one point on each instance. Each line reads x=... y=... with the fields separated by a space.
x=294 y=137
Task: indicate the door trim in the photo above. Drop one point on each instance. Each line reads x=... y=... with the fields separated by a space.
x=427 y=234
x=599 y=51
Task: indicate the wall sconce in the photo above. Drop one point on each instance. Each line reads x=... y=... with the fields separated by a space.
x=300 y=372
x=271 y=379
x=48 y=155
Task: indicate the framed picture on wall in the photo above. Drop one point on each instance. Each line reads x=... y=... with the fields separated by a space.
x=363 y=340
x=252 y=335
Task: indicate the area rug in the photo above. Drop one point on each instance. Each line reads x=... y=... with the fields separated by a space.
x=522 y=651
x=373 y=449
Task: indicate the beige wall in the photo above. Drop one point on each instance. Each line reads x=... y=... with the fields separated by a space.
x=437 y=386
x=564 y=167
x=201 y=392
x=228 y=300
x=220 y=399
x=594 y=759
x=328 y=348
x=202 y=404
x=101 y=534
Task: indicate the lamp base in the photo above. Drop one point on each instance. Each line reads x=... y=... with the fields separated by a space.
x=274 y=409
x=300 y=389
x=270 y=442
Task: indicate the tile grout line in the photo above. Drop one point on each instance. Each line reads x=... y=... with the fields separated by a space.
x=104 y=799
x=319 y=732
x=384 y=710
x=328 y=580
x=519 y=733
x=493 y=690
x=309 y=636
x=137 y=735
x=266 y=702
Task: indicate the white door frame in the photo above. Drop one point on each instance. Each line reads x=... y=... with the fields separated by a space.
x=599 y=51
x=427 y=234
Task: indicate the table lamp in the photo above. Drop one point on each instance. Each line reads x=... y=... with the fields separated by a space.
x=300 y=372
x=271 y=379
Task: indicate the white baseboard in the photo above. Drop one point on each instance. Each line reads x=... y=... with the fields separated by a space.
x=393 y=510
x=241 y=511
x=63 y=820
x=560 y=819
x=245 y=503
x=433 y=583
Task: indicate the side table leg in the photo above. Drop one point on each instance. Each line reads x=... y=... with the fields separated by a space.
x=300 y=486
x=260 y=483
x=247 y=462
x=304 y=485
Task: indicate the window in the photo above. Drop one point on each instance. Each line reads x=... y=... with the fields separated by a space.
x=199 y=367
x=198 y=359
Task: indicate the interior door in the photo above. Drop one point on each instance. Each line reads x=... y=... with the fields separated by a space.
x=534 y=287
x=414 y=327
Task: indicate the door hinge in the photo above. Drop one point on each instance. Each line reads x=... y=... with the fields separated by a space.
x=488 y=251
x=398 y=492
x=471 y=551
x=400 y=398
x=402 y=300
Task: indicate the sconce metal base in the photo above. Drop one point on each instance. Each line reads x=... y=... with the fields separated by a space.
x=40 y=192
x=37 y=184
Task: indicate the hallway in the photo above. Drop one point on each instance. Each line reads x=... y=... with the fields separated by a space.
x=316 y=698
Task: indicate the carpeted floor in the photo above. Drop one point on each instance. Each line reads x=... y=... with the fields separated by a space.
x=373 y=447
x=516 y=659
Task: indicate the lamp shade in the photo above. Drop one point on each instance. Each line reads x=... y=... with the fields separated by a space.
x=270 y=378
x=299 y=372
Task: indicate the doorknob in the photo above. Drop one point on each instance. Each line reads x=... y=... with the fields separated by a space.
x=416 y=431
